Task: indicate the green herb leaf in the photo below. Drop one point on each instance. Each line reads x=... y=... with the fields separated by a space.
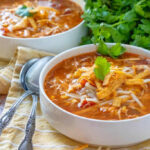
x=130 y=16
x=86 y=40
x=115 y=35
x=102 y=48
x=142 y=8
x=145 y=26
x=118 y=21
x=102 y=67
x=24 y=11
x=116 y=50
x=123 y=28
x=143 y=41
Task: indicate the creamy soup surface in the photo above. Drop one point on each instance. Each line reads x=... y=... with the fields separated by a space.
x=124 y=93
x=38 y=18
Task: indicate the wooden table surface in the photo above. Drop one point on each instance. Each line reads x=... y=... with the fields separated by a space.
x=2 y=102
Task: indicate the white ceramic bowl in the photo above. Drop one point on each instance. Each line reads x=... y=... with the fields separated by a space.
x=54 y=43
x=95 y=132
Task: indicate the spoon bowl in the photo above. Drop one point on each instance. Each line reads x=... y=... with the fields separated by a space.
x=24 y=70
x=33 y=74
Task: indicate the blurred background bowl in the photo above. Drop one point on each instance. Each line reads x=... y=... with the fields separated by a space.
x=54 y=43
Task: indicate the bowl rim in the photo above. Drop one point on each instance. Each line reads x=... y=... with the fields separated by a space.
x=49 y=36
x=41 y=83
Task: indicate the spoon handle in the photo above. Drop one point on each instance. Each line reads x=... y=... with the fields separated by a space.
x=26 y=144
x=6 y=118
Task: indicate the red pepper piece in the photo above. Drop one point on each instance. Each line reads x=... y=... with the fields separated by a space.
x=83 y=82
x=5 y=30
x=86 y=104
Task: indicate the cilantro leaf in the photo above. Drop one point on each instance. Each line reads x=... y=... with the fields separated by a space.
x=117 y=21
x=145 y=26
x=142 y=8
x=102 y=67
x=130 y=16
x=115 y=35
x=143 y=41
x=116 y=50
x=123 y=28
x=24 y=11
x=86 y=40
x=102 y=48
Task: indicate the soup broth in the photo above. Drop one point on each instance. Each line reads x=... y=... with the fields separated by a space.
x=38 y=18
x=124 y=93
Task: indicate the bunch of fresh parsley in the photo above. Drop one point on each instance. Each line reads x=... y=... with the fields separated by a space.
x=117 y=21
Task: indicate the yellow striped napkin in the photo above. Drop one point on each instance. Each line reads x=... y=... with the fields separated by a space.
x=45 y=137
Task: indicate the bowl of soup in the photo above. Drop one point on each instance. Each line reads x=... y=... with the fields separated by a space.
x=53 y=25
x=114 y=112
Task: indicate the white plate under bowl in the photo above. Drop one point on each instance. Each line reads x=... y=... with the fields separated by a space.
x=118 y=133
x=54 y=43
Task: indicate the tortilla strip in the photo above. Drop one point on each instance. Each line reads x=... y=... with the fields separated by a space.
x=116 y=80
x=143 y=74
x=21 y=25
x=33 y=23
x=87 y=110
x=134 y=82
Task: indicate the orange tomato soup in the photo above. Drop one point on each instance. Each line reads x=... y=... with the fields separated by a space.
x=38 y=18
x=124 y=93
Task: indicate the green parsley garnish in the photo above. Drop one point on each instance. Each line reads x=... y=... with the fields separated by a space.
x=116 y=50
x=24 y=11
x=102 y=67
x=117 y=21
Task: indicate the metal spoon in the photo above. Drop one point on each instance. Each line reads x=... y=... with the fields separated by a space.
x=32 y=83
x=6 y=118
